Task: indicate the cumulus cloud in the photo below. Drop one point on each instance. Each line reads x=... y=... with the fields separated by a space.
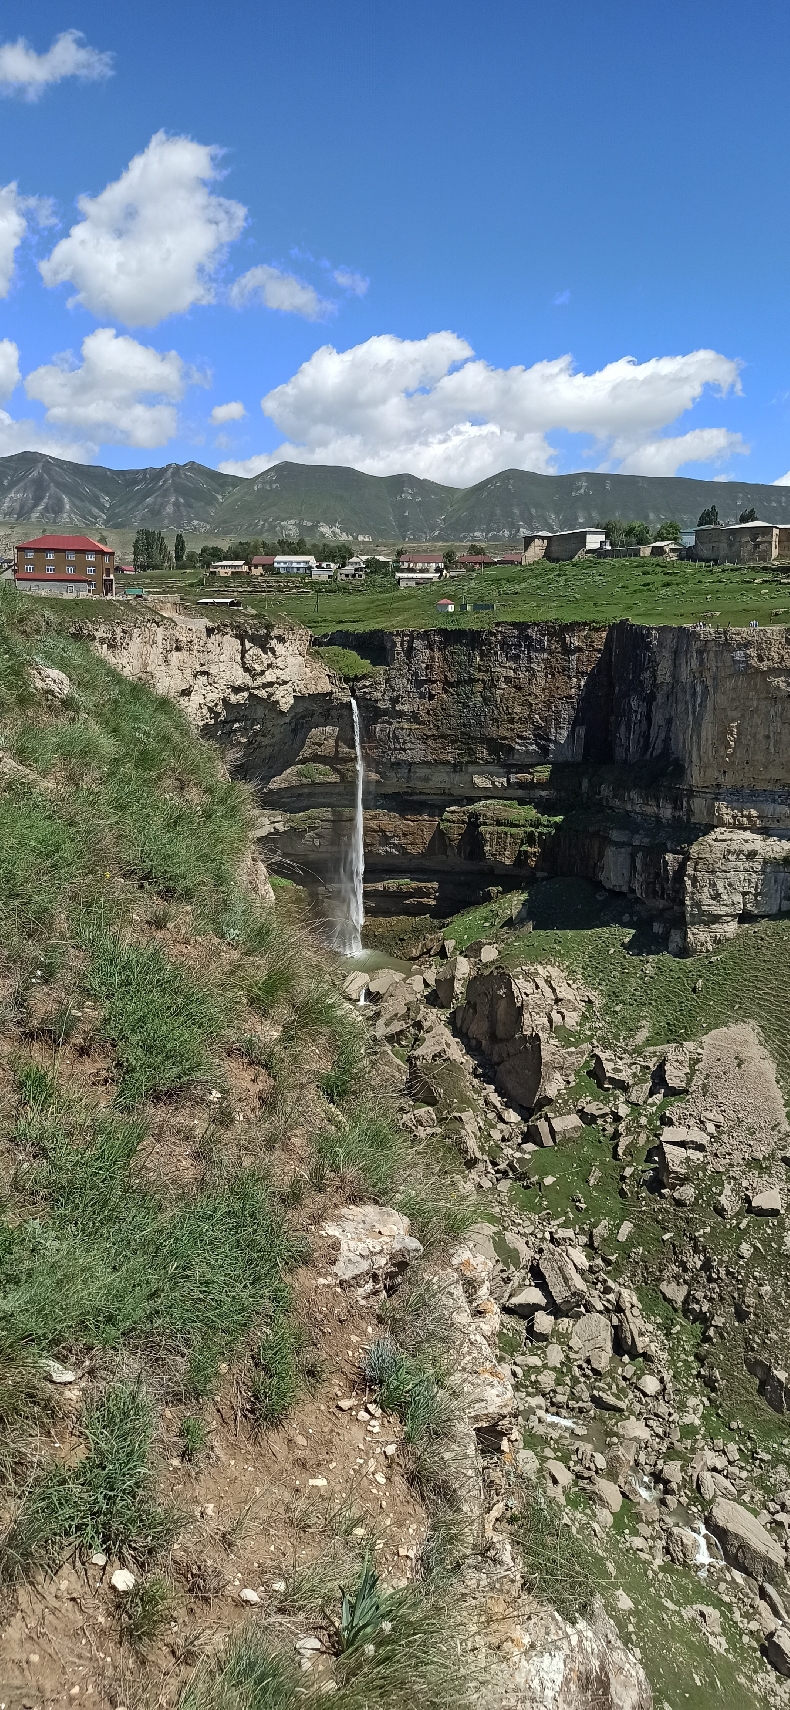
x=356 y=283
x=9 y=367
x=122 y=391
x=13 y=224
x=428 y=406
x=25 y=72
x=227 y=413
x=278 y=290
x=30 y=436
x=150 y=243
x=667 y=455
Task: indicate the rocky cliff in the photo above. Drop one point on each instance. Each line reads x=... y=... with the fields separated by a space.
x=653 y=760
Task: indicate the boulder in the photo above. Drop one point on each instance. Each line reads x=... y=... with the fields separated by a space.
x=539 y=1132
x=675 y=1069
x=565 y=1127
x=608 y=1072
x=525 y=1302
x=383 y=981
x=355 y=985
x=558 y=1665
x=682 y=1546
x=374 y=1241
x=609 y=1494
x=591 y=1339
x=673 y=1164
x=674 y=1292
x=46 y=680
x=542 y=1326
x=509 y=1017
x=745 y=1543
x=776 y=1650
x=451 y=980
x=767 y=1202
x=566 y=1287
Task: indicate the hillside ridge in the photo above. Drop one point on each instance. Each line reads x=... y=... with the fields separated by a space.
x=337 y=502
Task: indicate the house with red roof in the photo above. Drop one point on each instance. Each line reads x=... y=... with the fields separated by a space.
x=65 y=564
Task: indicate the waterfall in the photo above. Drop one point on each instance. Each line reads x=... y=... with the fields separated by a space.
x=348 y=939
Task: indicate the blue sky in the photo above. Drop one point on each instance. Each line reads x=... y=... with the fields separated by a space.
x=431 y=237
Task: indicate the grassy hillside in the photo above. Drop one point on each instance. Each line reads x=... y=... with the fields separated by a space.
x=643 y=589
x=183 y=1097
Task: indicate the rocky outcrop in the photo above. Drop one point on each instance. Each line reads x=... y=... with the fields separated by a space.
x=731 y=875
x=510 y=1017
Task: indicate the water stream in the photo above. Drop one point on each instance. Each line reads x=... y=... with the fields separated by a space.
x=348 y=937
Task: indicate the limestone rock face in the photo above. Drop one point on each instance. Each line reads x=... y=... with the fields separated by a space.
x=575 y=1667
x=730 y=874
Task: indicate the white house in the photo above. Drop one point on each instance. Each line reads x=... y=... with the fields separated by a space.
x=416 y=578
x=295 y=564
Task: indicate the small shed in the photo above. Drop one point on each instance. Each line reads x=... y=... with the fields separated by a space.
x=445 y=607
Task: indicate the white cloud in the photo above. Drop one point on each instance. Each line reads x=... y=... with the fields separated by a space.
x=9 y=367
x=30 y=436
x=123 y=391
x=356 y=283
x=666 y=456
x=13 y=225
x=150 y=243
x=427 y=406
x=227 y=413
x=278 y=290
x=26 y=72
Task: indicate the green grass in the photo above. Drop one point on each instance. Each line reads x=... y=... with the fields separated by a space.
x=106 y=1502
x=589 y=590
x=158 y=1017
x=365 y=1148
x=558 y=1569
x=251 y=1674
x=130 y=794
x=93 y=1258
x=345 y=662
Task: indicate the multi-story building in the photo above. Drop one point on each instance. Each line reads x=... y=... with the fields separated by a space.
x=70 y=564
x=741 y=543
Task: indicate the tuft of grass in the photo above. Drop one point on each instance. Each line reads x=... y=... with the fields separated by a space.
x=410 y=1385
x=22 y=1391
x=557 y=1567
x=106 y=1502
x=274 y=1374
x=156 y=1015
x=250 y=1674
x=367 y=1149
x=192 y=1432
x=147 y=1608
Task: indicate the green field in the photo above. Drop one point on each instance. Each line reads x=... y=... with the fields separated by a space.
x=645 y=590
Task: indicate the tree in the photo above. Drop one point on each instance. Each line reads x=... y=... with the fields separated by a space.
x=151 y=551
x=708 y=518
x=613 y=529
x=476 y=549
x=637 y=534
x=668 y=531
x=748 y=516
x=210 y=555
x=180 y=549
x=449 y=558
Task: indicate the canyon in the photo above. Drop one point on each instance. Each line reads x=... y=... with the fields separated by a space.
x=653 y=761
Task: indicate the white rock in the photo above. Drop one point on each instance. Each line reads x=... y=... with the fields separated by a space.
x=248 y=1595
x=123 y=1581
x=374 y=1240
x=48 y=681
x=57 y=1373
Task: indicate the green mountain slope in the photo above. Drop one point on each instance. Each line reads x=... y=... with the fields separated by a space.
x=333 y=502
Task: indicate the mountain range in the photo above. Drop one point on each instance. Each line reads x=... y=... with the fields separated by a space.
x=321 y=501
